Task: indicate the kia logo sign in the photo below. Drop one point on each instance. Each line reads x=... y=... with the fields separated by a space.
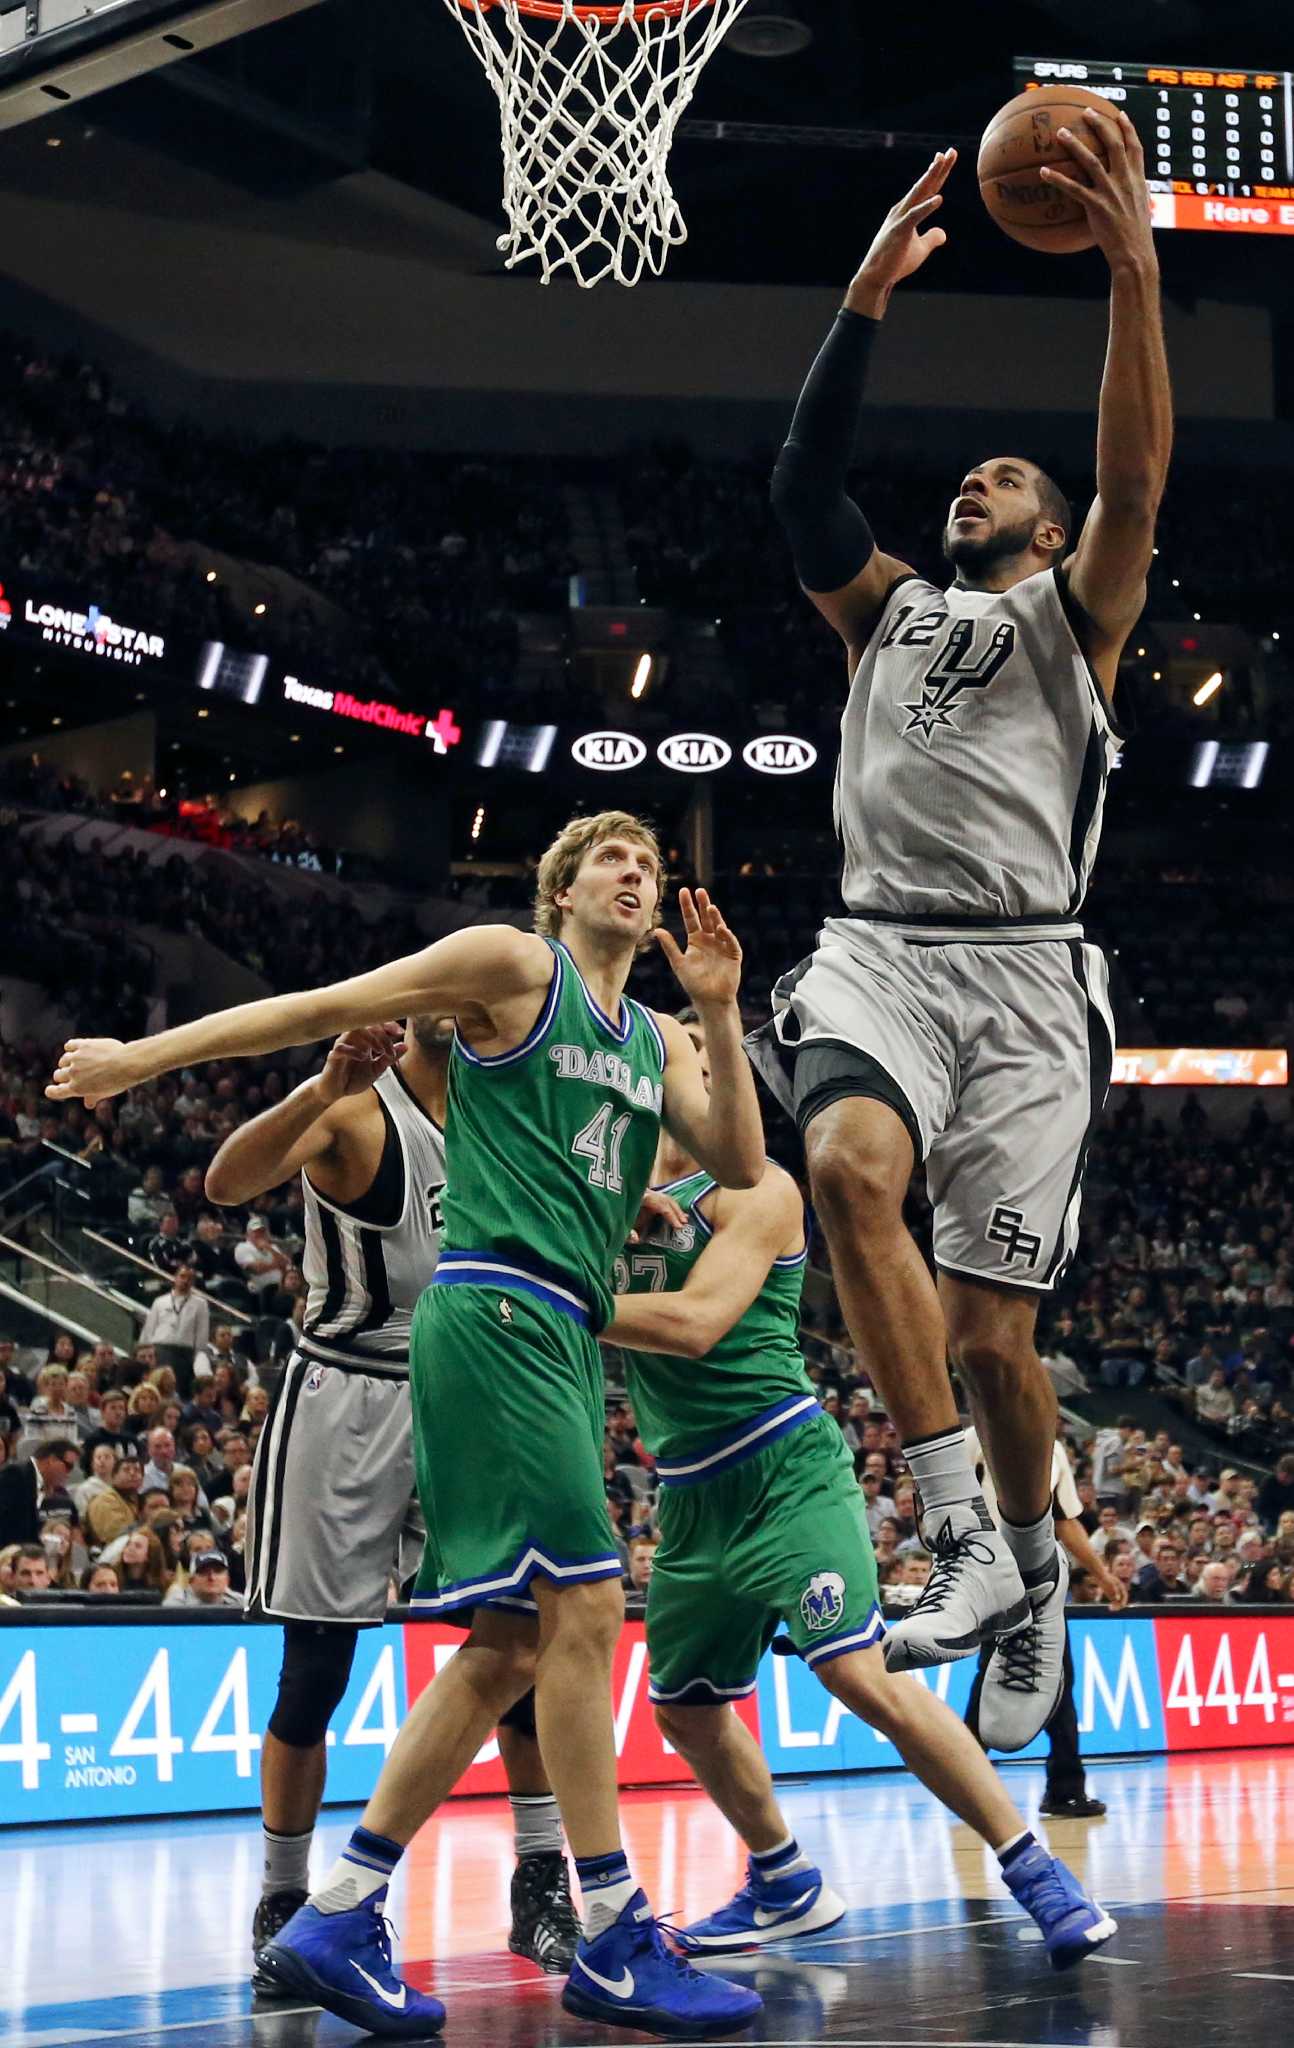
x=608 y=750
x=694 y=753
x=779 y=753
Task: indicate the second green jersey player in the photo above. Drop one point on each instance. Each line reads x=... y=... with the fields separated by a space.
x=763 y=1527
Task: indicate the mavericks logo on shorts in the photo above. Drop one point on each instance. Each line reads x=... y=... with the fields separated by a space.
x=822 y=1603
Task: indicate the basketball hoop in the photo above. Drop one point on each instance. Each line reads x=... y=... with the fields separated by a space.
x=589 y=98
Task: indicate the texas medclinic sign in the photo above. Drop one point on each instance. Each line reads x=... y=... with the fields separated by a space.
x=694 y=753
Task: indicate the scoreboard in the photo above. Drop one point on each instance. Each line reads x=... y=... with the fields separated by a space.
x=1219 y=141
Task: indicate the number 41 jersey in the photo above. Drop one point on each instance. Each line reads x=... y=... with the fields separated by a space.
x=975 y=751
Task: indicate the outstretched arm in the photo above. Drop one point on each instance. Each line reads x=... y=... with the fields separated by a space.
x=467 y=973
x=1134 y=440
x=751 y=1229
x=836 y=558
x=300 y=1130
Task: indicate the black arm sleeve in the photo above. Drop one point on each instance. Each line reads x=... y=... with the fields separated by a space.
x=830 y=539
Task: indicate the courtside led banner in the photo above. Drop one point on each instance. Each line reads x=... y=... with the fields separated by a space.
x=1196 y=1066
x=99 y=1720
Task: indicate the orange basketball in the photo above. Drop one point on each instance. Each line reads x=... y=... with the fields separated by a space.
x=1019 y=139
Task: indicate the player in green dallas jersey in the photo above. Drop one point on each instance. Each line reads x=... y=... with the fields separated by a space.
x=762 y=1524
x=557 y=1090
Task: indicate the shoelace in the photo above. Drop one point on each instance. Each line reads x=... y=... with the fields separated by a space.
x=676 y=1960
x=946 y=1571
x=1020 y=1660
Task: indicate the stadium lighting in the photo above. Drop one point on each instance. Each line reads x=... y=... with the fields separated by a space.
x=642 y=676
x=478 y=821
x=1208 y=688
x=259 y=610
x=211 y=575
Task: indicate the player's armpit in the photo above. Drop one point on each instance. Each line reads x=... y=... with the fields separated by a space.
x=855 y=609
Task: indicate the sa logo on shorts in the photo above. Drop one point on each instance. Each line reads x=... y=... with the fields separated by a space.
x=822 y=1603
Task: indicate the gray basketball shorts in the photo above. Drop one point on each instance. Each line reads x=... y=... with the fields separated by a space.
x=331 y=1512
x=996 y=1052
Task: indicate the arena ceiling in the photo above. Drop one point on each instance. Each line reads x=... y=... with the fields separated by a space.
x=391 y=86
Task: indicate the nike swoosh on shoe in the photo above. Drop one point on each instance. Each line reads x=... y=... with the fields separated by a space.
x=623 y=1987
x=769 y=1916
x=387 y=1997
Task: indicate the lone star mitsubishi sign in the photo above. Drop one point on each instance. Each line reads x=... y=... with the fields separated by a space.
x=93 y=632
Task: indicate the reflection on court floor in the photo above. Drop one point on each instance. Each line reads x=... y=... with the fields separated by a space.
x=1196 y=1857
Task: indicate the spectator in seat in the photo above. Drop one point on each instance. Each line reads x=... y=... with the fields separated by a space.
x=1275 y=1496
x=14 y=1385
x=208 y=1584
x=154 y=1501
x=219 y=1350
x=187 y=1499
x=140 y=1561
x=111 y=1426
x=189 y=1198
x=180 y=1316
x=112 y=1513
x=1215 y=1581
x=147 y=1203
x=1214 y=1401
x=100 y=1578
x=261 y=1265
x=642 y=1557
x=1266 y=1582
x=31 y=1487
x=100 y=1462
x=168 y=1249
x=31 y=1573
x=161 y=1458
x=209 y=1251
x=51 y=1413
x=144 y=1406
x=236 y=1456
x=1164 y=1578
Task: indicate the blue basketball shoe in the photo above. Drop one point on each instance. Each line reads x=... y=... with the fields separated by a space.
x=342 y=1961
x=626 y=1977
x=765 y=1909
x=1073 y=1926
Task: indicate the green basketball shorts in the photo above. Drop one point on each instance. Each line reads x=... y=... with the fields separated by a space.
x=508 y=1422
x=780 y=1537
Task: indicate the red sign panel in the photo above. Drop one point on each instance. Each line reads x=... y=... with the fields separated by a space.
x=1225 y=1684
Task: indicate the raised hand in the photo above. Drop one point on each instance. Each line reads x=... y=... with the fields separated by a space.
x=358 y=1057
x=710 y=969
x=93 y=1068
x=1112 y=193
x=899 y=248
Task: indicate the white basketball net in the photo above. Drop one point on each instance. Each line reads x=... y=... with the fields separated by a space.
x=588 y=109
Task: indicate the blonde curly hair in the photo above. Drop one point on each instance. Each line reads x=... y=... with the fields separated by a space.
x=561 y=863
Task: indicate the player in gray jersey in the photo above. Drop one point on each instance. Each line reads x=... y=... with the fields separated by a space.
x=953 y=1014
x=332 y=1512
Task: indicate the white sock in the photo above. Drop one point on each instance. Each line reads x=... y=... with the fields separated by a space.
x=1033 y=1546
x=942 y=1472
x=605 y=1905
x=363 y=1869
x=536 y=1824
x=781 y=1861
x=286 y=1867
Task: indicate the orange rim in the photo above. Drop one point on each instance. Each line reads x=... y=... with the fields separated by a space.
x=553 y=10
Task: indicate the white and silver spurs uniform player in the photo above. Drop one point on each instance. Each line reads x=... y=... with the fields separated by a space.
x=976 y=746
x=332 y=1510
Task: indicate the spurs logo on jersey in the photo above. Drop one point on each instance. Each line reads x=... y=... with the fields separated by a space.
x=366 y=1265
x=975 y=751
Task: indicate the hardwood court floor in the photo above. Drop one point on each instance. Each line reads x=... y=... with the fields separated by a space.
x=137 y=1932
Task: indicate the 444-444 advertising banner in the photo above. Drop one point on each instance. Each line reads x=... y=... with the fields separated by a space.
x=101 y=1719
